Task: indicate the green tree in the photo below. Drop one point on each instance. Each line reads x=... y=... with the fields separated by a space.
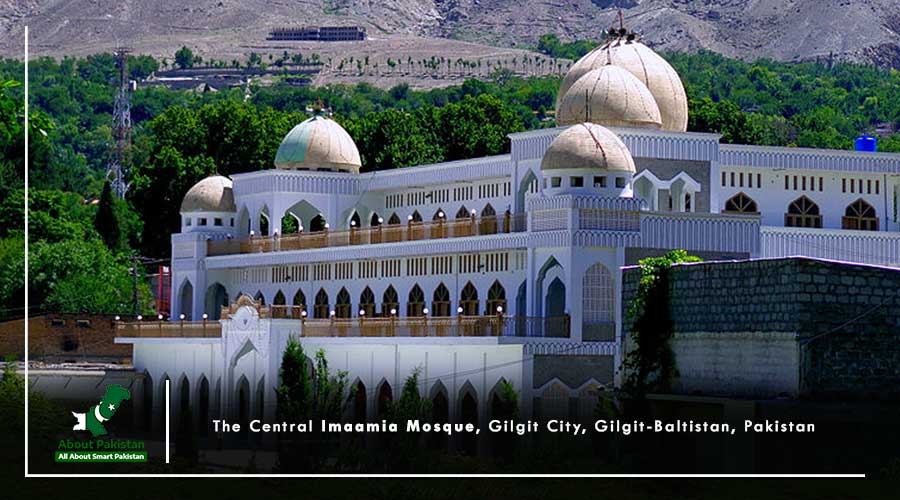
x=184 y=58
x=404 y=452
x=106 y=221
x=306 y=393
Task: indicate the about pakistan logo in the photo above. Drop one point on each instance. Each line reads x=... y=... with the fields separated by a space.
x=101 y=450
x=93 y=419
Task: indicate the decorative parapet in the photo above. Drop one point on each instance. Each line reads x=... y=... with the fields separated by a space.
x=734 y=155
x=869 y=247
x=494 y=242
x=643 y=143
x=570 y=348
x=439 y=173
x=300 y=181
x=701 y=232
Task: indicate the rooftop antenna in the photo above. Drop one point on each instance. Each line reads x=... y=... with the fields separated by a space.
x=117 y=168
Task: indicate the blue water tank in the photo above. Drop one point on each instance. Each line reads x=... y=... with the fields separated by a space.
x=866 y=143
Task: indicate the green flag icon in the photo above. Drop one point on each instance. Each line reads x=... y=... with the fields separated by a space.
x=93 y=419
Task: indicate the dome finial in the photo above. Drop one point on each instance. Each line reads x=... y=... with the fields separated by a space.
x=318 y=108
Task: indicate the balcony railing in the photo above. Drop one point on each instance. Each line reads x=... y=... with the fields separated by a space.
x=458 y=326
x=169 y=329
x=420 y=326
x=385 y=233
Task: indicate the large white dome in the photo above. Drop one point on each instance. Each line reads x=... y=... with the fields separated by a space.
x=588 y=145
x=609 y=96
x=318 y=143
x=212 y=194
x=645 y=64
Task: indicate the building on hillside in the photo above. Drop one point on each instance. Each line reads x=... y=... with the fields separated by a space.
x=319 y=34
x=489 y=270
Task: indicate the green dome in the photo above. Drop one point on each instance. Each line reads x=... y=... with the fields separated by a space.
x=318 y=143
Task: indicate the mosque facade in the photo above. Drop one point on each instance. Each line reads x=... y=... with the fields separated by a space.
x=488 y=270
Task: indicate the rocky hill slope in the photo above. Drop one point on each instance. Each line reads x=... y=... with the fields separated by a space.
x=859 y=30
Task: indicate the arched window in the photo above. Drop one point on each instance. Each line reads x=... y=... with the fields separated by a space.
x=416 y=303
x=385 y=397
x=488 y=220
x=496 y=298
x=342 y=307
x=555 y=401
x=438 y=229
x=321 y=310
x=860 y=215
x=803 y=212
x=740 y=204
x=279 y=299
x=416 y=216
x=360 y=403
x=259 y=297
x=375 y=221
x=395 y=219
x=440 y=305
x=598 y=304
x=367 y=302
x=468 y=300
x=389 y=301
x=355 y=221
x=317 y=224
x=462 y=213
x=299 y=302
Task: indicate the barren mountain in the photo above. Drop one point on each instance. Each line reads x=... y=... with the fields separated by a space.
x=860 y=30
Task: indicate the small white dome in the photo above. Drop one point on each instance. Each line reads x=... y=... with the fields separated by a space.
x=212 y=194
x=658 y=75
x=609 y=96
x=318 y=143
x=588 y=145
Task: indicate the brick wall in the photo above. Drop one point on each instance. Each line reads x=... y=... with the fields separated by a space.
x=63 y=336
x=845 y=319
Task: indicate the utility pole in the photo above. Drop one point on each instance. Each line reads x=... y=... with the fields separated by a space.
x=134 y=285
x=117 y=168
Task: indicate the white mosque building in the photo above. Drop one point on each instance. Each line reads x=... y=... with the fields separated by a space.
x=504 y=268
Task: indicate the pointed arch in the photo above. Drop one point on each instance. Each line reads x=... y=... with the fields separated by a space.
x=259 y=297
x=147 y=413
x=416 y=216
x=415 y=304
x=468 y=300
x=299 y=303
x=202 y=413
x=355 y=220
x=186 y=299
x=375 y=220
x=439 y=215
x=500 y=407
x=803 y=212
x=279 y=299
x=389 y=301
x=264 y=225
x=462 y=213
x=367 y=302
x=260 y=409
x=321 y=310
x=242 y=404
x=360 y=402
x=468 y=414
x=555 y=400
x=394 y=219
x=860 y=215
x=440 y=305
x=216 y=299
x=488 y=220
x=184 y=396
x=440 y=414
x=342 y=304
x=385 y=398
x=317 y=224
x=740 y=204
x=528 y=185
x=496 y=299
x=598 y=303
